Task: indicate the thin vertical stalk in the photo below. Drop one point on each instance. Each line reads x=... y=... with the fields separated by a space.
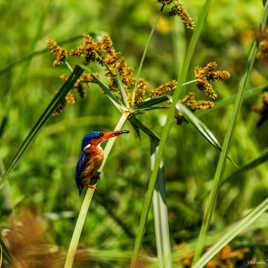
x=164 y=135
x=226 y=144
x=145 y=52
x=86 y=202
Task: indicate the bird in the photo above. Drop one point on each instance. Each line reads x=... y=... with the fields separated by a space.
x=91 y=157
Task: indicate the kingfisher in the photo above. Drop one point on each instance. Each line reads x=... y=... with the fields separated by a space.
x=91 y=157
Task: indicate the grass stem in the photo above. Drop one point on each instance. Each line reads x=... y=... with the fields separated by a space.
x=87 y=201
x=164 y=135
x=145 y=52
x=226 y=144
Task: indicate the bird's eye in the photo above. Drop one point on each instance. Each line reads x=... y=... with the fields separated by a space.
x=101 y=134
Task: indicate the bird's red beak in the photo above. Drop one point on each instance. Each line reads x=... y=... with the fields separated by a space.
x=111 y=134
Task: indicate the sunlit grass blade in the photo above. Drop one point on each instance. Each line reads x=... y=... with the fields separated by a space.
x=179 y=92
x=214 y=236
x=87 y=200
x=232 y=233
x=37 y=53
x=250 y=165
x=44 y=118
x=227 y=141
x=201 y=127
x=250 y=93
x=150 y=102
x=159 y=204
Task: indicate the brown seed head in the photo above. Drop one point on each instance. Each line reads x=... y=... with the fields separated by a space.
x=70 y=99
x=161 y=90
x=206 y=74
x=140 y=91
x=59 y=52
x=179 y=10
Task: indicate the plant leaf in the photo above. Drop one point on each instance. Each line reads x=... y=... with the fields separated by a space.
x=5 y=254
x=159 y=203
x=227 y=140
x=234 y=231
x=122 y=89
x=150 y=102
x=161 y=214
x=201 y=127
x=250 y=165
x=44 y=118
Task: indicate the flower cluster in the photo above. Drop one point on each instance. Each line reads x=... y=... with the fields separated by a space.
x=203 y=76
x=206 y=74
x=102 y=51
x=59 y=52
x=178 y=10
x=140 y=91
x=228 y=257
x=262 y=110
x=163 y=89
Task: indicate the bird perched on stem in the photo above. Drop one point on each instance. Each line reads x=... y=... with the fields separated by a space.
x=91 y=158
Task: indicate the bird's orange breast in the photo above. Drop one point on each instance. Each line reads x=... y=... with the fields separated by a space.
x=94 y=163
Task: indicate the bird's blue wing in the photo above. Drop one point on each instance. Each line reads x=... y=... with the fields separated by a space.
x=80 y=167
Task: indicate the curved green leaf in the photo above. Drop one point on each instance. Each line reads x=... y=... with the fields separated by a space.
x=44 y=118
x=250 y=165
x=201 y=127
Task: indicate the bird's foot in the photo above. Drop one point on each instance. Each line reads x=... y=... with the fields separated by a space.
x=92 y=186
x=94 y=180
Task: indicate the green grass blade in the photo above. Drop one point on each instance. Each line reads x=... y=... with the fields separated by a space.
x=145 y=52
x=179 y=92
x=161 y=215
x=250 y=93
x=250 y=165
x=44 y=118
x=226 y=144
x=86 y=202
x=150 y=102
x=5 y=254
x=122 y=90
x=232 y=233
x=140 y=111
x=159 y=204
x=36 y=53
x=214 y=236
x=201 y=127
x=3 y=125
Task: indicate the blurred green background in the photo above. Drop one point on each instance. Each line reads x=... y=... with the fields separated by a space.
x=44 y=179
